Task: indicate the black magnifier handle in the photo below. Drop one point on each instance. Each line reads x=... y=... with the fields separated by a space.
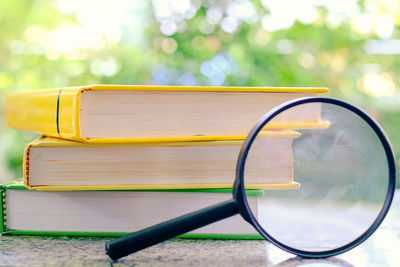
x=136 y=241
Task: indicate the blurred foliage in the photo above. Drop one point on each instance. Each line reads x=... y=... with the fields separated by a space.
x=347 y=46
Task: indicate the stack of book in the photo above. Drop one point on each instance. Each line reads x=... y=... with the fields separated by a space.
x=114 y=159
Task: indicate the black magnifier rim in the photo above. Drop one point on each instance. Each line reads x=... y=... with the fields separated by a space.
x=239 y=190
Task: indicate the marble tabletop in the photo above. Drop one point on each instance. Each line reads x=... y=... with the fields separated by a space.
x=381 y=249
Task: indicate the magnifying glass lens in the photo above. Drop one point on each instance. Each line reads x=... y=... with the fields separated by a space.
x=322 y=176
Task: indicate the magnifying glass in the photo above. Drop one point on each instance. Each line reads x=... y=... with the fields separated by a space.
x=343 y=183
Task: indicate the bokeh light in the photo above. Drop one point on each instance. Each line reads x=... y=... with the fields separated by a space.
x=378 y=84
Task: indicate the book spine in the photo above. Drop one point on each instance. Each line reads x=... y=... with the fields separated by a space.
x=3 y=219
x=26 y=165
x=51 y=112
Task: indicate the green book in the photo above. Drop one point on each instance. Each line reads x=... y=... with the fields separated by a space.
x=113 y=213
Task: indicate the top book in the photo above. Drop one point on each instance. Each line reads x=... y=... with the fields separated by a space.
x=125 y=113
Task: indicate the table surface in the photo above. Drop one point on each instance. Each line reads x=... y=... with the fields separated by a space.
x=381 y=249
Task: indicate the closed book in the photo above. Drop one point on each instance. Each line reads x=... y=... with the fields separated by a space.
x=126 y=113
x=113 y=213
x=56 y=164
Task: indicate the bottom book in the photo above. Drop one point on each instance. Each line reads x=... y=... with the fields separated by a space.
x=113 y=213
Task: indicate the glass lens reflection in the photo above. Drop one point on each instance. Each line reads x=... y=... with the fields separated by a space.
x=325 y=180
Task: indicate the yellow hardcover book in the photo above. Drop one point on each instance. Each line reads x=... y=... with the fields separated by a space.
x=52 y=164
x=129 y=113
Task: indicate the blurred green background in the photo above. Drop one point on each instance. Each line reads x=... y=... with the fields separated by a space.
x=351 y=47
